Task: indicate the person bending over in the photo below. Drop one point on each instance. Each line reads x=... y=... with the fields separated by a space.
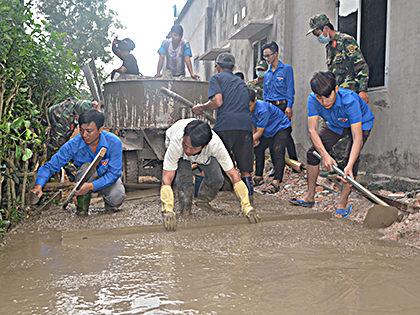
x=345 y=112
x=192 y=140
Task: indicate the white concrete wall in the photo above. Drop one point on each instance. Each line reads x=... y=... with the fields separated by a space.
x=392 y=148
x=194 y=27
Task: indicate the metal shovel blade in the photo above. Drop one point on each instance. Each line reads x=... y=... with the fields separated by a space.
x=379 y=216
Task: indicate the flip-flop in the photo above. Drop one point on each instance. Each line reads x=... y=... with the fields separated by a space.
x=271 y=188
x=343 y=212
x=301 y=202
x=258 y=181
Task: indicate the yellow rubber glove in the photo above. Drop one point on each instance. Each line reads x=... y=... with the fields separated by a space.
x=167 y=198
x=168 y=214
x=241 y=192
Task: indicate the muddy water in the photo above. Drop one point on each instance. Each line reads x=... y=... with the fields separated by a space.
x=279 y=267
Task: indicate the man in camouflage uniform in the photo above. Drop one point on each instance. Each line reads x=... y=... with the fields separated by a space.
x=344 y=57
x=258 y=83
x=63 y=119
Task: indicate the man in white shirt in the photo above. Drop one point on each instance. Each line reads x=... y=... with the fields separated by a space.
x=192 y=140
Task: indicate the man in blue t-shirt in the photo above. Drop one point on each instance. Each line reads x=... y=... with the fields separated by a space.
x=82 y=149
x=271 y=129
x=229 y=95
x=345 y=112
x=279 y=87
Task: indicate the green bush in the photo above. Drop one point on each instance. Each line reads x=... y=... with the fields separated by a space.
x=36 y=71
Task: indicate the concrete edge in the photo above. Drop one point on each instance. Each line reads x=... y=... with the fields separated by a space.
x=85 y=237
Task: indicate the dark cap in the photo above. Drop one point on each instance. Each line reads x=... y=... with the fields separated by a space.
x=262 y=64
x=126 y=44
x=317 y=21
x=226 y=59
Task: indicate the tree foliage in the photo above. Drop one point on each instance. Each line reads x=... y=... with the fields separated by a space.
x=86 y=23
x=36 y=71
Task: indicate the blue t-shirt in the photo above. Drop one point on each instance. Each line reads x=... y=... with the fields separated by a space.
x=270 y=117
x=349 y=108
x=234 y=114
x=109 y=169
x=280 y=84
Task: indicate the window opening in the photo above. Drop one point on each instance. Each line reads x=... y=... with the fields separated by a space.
x=370 y=31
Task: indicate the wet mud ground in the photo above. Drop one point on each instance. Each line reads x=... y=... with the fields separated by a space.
x=215 y=263
x=406 y=231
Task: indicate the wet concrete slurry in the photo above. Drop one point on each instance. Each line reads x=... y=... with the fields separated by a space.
x=329 y=266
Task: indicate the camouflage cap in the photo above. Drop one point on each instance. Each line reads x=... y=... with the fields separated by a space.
x=317 y=21
x=226 y=59
x=262 y=64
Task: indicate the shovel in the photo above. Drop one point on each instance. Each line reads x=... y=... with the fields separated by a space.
x=379 y=216
x=85 y=176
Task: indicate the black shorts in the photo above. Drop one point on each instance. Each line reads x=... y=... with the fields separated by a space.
x=241 y=144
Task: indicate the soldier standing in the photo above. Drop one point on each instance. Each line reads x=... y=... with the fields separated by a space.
x=258 y=83
x=344 y=57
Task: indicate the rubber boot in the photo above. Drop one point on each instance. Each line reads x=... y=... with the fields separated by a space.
x=197 y=183
x=249 y=185
x=83 y=203
x=205 y=195
x=109 y=208
x=185 y=196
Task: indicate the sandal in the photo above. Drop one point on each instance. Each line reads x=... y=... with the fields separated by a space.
x=344 y=213
x=258 y=181
x=301 y=202
x=271 y=188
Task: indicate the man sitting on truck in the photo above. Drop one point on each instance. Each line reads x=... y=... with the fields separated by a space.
x=123 y=48
x=192 y=140
x=177 y=52
x=82 y=149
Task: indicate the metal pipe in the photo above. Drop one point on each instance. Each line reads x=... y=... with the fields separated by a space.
x=183 y=100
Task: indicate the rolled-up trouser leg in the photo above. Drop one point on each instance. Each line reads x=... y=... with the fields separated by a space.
x=184 y=184
x=213 y=179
